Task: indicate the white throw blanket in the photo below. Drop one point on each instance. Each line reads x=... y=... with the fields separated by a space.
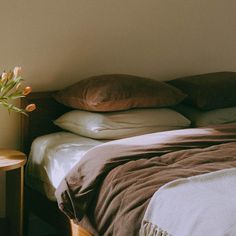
x=203 y=205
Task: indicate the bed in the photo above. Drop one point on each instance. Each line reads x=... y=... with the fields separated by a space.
x=110 y=195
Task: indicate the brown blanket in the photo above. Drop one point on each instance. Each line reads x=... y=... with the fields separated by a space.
x=114 y=182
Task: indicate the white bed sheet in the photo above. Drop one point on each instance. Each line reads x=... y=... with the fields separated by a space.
x=52 y=156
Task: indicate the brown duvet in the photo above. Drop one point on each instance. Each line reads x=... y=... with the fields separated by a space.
x=115 y=181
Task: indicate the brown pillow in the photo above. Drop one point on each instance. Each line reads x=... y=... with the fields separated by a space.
x=208 y=91
x=118 y=92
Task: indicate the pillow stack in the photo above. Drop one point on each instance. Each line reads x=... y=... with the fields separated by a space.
x=211 y=98
x=118 y=106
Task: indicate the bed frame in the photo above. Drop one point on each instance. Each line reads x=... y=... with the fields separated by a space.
x=39 y=123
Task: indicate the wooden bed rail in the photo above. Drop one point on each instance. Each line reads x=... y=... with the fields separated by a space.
x=77 y=230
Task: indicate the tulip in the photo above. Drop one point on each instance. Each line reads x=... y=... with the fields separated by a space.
x=4 y=77
x=17 y=71
x=30 y=107
x=10 y=75
x=27 y=90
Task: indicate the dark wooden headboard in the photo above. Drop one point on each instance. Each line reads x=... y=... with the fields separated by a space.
x=40 y=121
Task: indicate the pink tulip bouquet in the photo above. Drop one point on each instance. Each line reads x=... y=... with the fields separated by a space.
x=10 y=89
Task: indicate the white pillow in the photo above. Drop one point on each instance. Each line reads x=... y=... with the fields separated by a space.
x=201 y=118
x=122 y=124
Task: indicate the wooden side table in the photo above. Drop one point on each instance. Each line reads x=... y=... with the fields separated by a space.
x=12 y=162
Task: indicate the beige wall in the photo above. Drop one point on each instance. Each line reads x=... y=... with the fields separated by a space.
x=58 y=42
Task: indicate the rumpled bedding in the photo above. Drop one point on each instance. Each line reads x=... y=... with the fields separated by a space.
x=51 y=157
x=109 y=190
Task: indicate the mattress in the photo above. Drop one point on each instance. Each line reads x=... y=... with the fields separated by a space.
x=52 y=156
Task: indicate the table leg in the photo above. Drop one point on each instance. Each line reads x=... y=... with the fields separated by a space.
x=14 y=200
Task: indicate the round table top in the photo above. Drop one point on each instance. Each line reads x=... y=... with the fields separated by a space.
x=11 y=159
